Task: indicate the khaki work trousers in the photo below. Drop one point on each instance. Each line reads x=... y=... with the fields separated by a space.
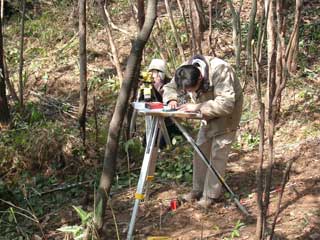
x=216 y=151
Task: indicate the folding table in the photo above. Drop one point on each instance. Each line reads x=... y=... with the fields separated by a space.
x=154 y=131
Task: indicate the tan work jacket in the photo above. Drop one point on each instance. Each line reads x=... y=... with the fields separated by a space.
x=221 y=104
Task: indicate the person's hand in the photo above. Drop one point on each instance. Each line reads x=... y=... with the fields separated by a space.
x=189 y=107
x=173 y=104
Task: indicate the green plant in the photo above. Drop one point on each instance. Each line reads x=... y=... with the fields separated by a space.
x=13 y=213
x=235 y=231
x=250 y=140
x=178 y=167
x=94 y=83
x=79 y=231
x=134 y=148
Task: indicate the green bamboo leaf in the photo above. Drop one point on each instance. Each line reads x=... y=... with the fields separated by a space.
x=84 y=216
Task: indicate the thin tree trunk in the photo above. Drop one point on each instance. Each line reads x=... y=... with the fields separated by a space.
x=21 y=82
x=210 y=43
x=236 y=31
x=73 y=17
x=83 y=69
x=134 y=12
x=281 y=70
x=2 y=10
x=251 y=27
x=257 y=57
x=262 y=30
x=113 y=26
x=259 y=174
x=293 y=46
x=95 y=114
x=199 y=22
x=104 y=13
x=271 y=38
x=141 y=15
x=174 y=30
x=135 y=85
x=276 y=85
x=181 y=8
x=8 y=83
x=162 y=37
x=271 y=48
x=109 y=163
x=159 y=49
x=5 y=67
x=194 y=46
x=4 y=107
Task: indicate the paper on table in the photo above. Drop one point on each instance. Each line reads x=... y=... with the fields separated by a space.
x=140 y=107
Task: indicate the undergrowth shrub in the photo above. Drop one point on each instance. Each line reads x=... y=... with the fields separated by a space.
x=44 y=145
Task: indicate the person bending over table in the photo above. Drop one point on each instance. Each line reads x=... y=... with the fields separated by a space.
x=215 y=91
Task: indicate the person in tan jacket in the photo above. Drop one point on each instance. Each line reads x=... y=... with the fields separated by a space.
x=216 y=92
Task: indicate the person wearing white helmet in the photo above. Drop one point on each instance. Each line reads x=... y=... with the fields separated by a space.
x=158 y=70
x=159 y=78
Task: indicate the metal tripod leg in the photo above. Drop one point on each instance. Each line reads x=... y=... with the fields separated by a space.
x=164 y=131
x=143 y=174
x=211 y=167
x=152 y=166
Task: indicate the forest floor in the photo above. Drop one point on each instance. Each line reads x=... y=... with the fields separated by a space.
x=48 y=157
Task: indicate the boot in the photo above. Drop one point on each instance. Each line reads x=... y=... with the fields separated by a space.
x=193 y=195
x=205 y=202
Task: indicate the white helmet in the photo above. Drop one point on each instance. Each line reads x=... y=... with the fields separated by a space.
x=158 y=64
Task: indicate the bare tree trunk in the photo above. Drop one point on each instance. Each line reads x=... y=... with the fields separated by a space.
x=281 y=70
x=276 y=86
x=293 y=46
x=4 y=106
x=83 y=69
x=210 y=43
x=193 y=37
x=251 y=27
x=2 y=10
x=8 y=83
x=134 y=12
x=73 y=17
x=182 y=8
x=21 y=82
x=115 y=58
x=113 y=26
x=256 y=59
x=236 y=31
x=256 y=74
x=141 y=15
x=95 y=114
x=199 y=22
x=174 y=30
x=5 y=71
x=157 y=45
x=271 y=39
x=135 y=85
x=276 y=81
x=169 y=51
x=109 y=163
x=262 y=28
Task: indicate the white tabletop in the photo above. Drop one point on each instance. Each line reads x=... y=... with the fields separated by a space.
x=140 y=107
